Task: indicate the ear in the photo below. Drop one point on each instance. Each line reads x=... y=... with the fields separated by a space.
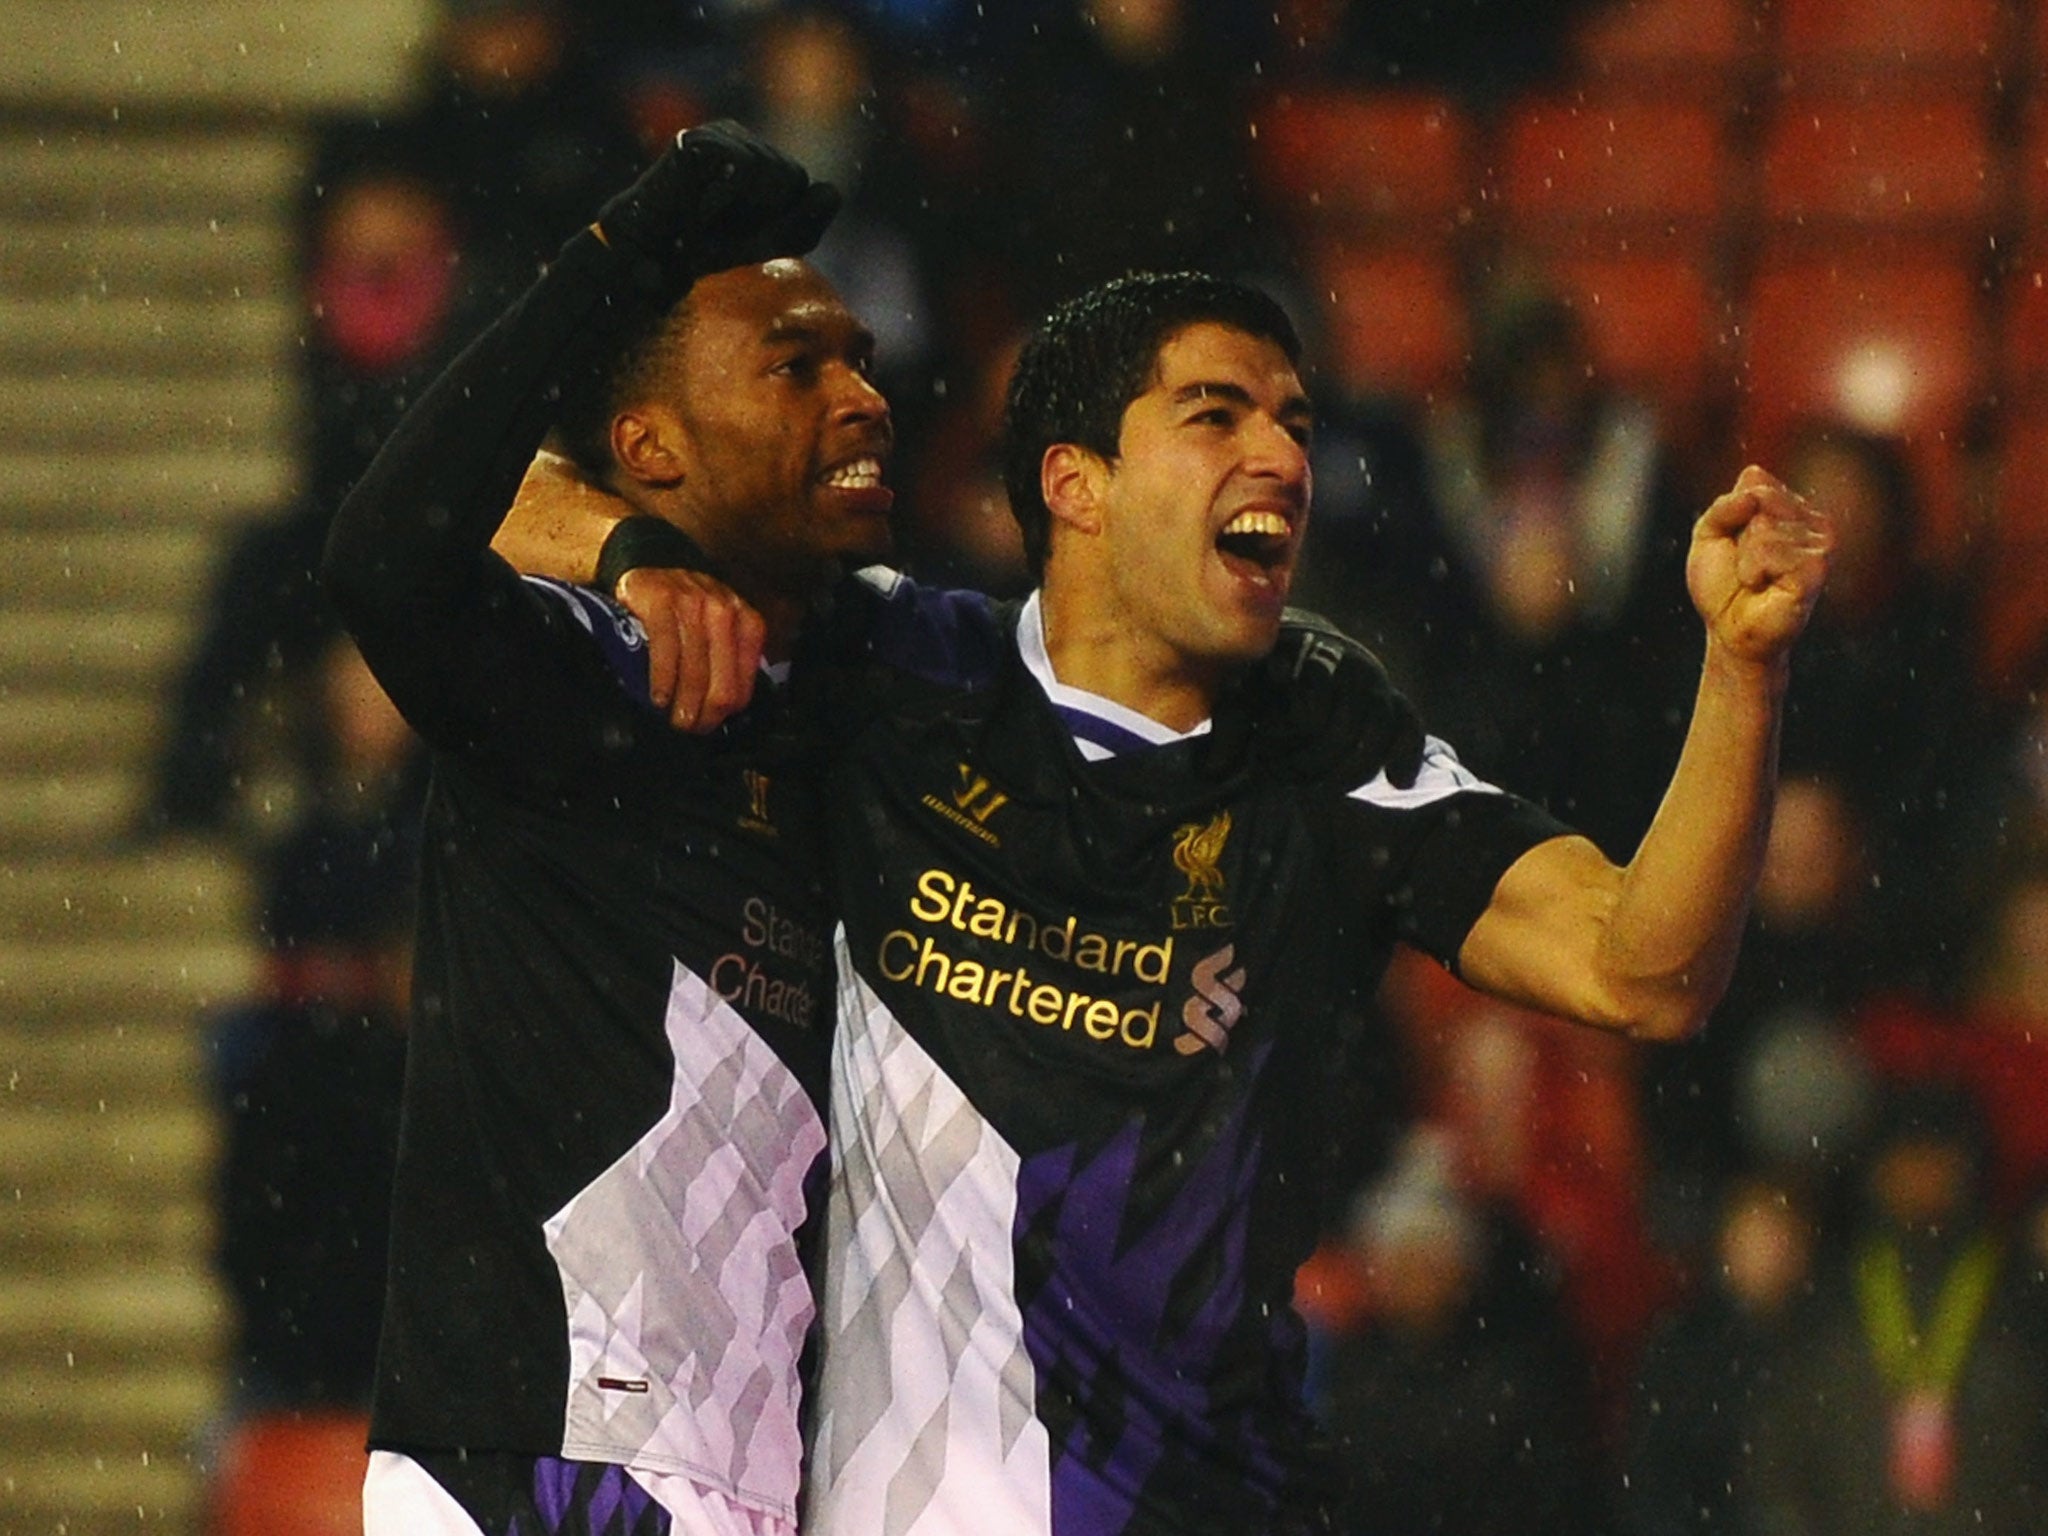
x=1072 y=481
x=648 y=443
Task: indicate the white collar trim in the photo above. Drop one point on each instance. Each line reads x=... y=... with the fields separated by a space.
x=1038 y=662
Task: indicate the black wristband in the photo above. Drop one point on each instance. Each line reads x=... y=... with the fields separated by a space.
x=643 y=540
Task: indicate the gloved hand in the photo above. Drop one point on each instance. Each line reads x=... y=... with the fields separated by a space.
x=1321 y=709
x=719 y=197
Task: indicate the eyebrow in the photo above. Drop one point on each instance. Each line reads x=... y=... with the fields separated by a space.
x=1294 y=407
x=788 y=330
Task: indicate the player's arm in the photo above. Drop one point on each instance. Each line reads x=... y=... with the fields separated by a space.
x=704 y=641
x=444 y=622
x=559 y=521
x=1648 y=948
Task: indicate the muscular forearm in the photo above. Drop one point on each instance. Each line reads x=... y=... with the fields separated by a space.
x=558 y=522
x=1671 y=940
x=1647 y=949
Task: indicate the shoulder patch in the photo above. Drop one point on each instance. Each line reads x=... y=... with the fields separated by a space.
x=1440 y=777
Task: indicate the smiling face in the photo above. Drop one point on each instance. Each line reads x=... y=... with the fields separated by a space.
x=1199 y=519
x=775 y=441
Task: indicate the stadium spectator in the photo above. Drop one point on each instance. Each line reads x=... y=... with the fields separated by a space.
x=307 y=1073
x=1686 y=1461
x=1554 y=574
x=381 y=275
x=1884 y=700
x=1460 y=1405
x=1914 y=1400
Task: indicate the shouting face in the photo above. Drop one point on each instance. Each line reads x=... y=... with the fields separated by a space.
x=1203 y=510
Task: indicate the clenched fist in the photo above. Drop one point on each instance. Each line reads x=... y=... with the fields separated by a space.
x=1759 y=560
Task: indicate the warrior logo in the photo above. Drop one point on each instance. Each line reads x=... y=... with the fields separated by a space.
x=757 y=819
x=1197 y=849
x=970 y=805
x=1214 y=1010
x=976 y=796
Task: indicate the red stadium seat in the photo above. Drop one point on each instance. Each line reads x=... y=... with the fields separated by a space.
x=2023 y=482
x=1614 y=167
x=1691 y=46
x=1655 y=324
x=2015 y=609
x=2031 y=175
x=1921 y=161
x=1896 y=346
x=1394 y=314
x=1391 y=159
x=292 y=1475
x=2023 y=327
x=1815 y=39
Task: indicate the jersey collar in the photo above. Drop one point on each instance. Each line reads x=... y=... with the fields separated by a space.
x=1101 y=727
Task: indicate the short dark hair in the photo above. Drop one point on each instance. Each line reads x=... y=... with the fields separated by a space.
x=622 y=372
x=1095 y=354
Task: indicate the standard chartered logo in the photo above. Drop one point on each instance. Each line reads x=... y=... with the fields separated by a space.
x=1216 y=1006
x=753 y=980
x=944 y=901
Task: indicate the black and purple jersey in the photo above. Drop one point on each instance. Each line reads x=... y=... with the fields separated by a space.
x=1095 y=983
x=612 y=1131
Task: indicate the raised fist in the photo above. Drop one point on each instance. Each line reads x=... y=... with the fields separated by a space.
x=1759 y=560
x=719 y=197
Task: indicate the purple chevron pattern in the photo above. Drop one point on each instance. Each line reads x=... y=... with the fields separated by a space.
x=1100 y=1324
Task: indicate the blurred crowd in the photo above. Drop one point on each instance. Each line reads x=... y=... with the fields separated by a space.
x=1788 y=1278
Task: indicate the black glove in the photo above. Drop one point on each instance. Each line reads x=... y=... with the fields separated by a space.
x=1321 y=709
x=719 y=197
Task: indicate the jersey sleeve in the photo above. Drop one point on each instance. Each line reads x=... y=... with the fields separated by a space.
x=1318 y=709
x=938 y=634
x=1431 y=853
x=480 y=662
x=617 y=636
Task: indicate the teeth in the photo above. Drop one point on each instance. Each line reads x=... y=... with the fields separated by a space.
x=1271 y=523
x=858 y=475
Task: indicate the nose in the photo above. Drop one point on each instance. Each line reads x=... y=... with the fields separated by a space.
x=857 y=399
x=1272 y=450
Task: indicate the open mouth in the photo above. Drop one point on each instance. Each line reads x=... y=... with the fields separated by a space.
x=862 y=474
x=1260 y=539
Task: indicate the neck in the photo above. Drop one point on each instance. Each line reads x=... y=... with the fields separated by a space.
x=784 y=617
x=1092 y=648
x=780 y=591
x=782 y=598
